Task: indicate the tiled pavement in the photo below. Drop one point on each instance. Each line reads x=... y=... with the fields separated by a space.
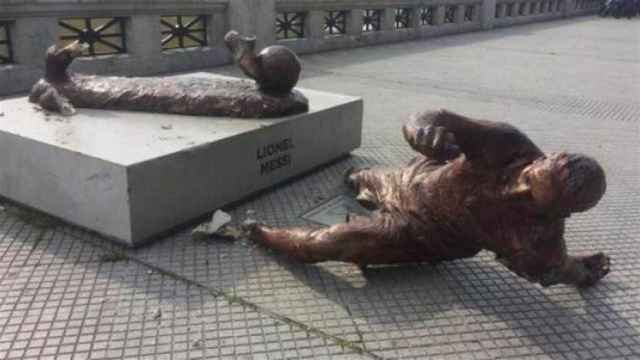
x=574 y=84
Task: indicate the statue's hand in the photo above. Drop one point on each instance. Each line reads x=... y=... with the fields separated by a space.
x=597 y=266
x=432 y=141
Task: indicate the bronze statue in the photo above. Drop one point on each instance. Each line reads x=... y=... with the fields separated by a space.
x=276 y=70
x=474 y=185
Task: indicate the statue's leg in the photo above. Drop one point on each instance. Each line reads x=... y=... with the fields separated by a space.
x=381 y=239
x=372 y=186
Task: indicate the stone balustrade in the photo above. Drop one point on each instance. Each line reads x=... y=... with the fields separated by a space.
x=584 y=7
x=511 y=12
x=144 y=37
x=310 y=26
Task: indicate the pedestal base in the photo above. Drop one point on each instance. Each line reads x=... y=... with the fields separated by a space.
x=132 y=175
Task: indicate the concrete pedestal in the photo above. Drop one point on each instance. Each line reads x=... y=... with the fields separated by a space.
x=132 y=176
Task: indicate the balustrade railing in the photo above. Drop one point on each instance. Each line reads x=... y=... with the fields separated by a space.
x=181 y=32
x=104 y=36
x=309 y=26
x=587 y=6
x=142 y=37
x=6 y=49
x=508 y=12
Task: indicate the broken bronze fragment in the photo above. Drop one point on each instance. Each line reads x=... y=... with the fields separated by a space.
x=475 y=185
x=275 y=70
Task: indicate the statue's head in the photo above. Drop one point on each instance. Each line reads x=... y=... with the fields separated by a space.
x=59 y=58
x=566 y=183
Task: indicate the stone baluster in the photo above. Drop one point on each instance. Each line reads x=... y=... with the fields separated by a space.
x=568 y=7
x=32 y=36
x=438 y=15
x=414 y=18
x=314 y=24
x=218 y=26
x=477 y=9
x=388 y=19
x=140 y=29
x=501 y=10
x=458 y=18
x=354 y=22
x=255 y=17
x=487 y=14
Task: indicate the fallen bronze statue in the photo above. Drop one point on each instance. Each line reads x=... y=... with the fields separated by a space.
x=474 y=185
x=275 y=69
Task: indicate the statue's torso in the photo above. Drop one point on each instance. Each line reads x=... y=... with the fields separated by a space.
x=458 y=209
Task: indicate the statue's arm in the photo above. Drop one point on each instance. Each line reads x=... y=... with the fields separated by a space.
x=550 y=265
x=581 y=271
x=444 y=135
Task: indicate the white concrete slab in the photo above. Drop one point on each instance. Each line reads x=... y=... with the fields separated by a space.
x=132 y=175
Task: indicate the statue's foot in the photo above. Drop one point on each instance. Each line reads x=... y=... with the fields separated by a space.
x=597 y=266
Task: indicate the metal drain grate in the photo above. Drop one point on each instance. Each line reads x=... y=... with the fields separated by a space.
x=334 y=211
